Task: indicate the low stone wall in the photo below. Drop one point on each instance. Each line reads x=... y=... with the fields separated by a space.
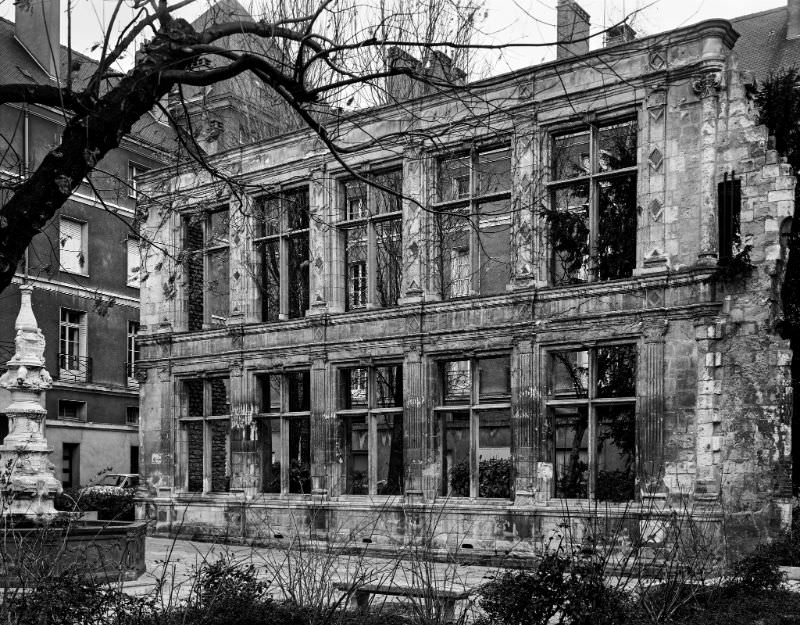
x=106 y=551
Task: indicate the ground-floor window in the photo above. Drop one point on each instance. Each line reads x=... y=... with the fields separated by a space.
x=206 y=434
x=370 y=421
x=591 y=415
x=473 y=417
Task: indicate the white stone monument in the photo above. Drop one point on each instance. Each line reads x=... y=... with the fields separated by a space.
x=27 y=482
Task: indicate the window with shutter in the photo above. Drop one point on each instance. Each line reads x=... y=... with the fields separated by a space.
x=71 y=243
x=134 y=263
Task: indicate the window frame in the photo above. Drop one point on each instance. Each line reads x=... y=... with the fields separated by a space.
x=474 y=407
x=593 y=178
x=369 y=220
x=591 y=402
x=471 y=200
x=132 y=279
x=81 y=410
x=207 y=249
x=82 y=254
x=282 y=237
x=65 y=358
x=135 y=169
x=371 y=413
x=132 y=353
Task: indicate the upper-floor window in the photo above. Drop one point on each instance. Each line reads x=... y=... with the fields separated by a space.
x=371 y=225
x=729 y=211
x=282 y=227
x=592 y=215
x=133 y=262
x=134 y=171
x=73 y=363
x=473 y=223
x=591 y=404
x=207 y=260
x=72 y=242
x=132 y=353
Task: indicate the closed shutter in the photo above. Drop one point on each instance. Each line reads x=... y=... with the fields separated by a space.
x=134 y=263
x=71 y=246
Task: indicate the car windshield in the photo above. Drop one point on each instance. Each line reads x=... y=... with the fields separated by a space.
x=112 y=480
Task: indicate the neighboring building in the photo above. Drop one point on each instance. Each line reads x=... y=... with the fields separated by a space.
x=84 y=264
x=574 y=305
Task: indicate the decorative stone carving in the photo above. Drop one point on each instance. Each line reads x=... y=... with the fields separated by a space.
x=707 y=84
x=657 y=58
x=656 y=159
x=27 y=482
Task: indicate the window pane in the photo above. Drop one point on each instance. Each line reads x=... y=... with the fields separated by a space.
x=494 y=379
x=617 y=146
x=494 y=171
x=455 y=268
x=218 y=286
x=616 y=371
x=571 y=156
x=220 y=396
x=355 y=454
x=569 y=234
x=269 y=438
x=616 y=451
x=194 y=456
x=389 y=387
x=270 y=280
x=456 y=382
x=193 y=242
x=389 y=261
x=298 y=387
x=296 y=204
x=569 y=374
x=220 y=460
x=217 y=233
x=268 y=215
x=495 y=247
x=390 y=454
x=269 y=387
x=455 y=453
x=453 y=180
x=353 y=388
x=193 y=397
x=356 y=261
x=300 y=455
x=494 y=454
x=388 y=202
x=571 y=428
x=298 y=275
x=616 y=236
x=355 y=200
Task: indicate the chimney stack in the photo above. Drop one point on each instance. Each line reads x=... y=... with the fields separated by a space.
x=572 y=29
x=793 y=24
x=619 y=34
x=37 y=28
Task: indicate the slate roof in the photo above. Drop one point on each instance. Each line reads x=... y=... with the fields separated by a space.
x=762 y=47
x=17 y=66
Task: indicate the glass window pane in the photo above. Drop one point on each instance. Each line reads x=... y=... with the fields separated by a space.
x=353 y=388
x=300 y=455
x=220 y=455
x=390 y=453
x=295 y=203
x=494 y=379
x=569 y=234
x=269 y=439
x=569 y=374
x=354 y=436
x=298 y=275
x=616 y=235
x=616 y=371
x=389 y=387
x=617 y=146
x=193 y=397
x=616 y=451
x=355 y=200
x=494 y=454
x=388 y=202
x=220 y=396
x=494 y=171
x=217 y=233
x=268 y=216
x=270 y=280
x=571 y=429
x=269 y=387
x=571 y=156
x=495 y=247
x=217 y=286
x=455 y=453
x=453 y=183
x=456 y=382
x=356 y=261
x=389 y=261
x=455 y=267
x=298 y=386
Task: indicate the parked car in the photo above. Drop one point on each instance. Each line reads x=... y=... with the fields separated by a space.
x=120 y=481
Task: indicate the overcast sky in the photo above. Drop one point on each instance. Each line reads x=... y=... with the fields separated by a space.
x=506 y=20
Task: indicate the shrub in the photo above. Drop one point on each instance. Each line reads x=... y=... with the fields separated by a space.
x=756 y=571
x=111 y=503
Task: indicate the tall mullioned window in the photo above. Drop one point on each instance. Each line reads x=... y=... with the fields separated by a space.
x=207 y=253
x=592 y=214
x=282 y=242
x=371 y=227
x=473 y=223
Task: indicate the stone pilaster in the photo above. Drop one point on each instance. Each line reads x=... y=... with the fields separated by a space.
x=707 y=87
x=324 y=462
x=708 y=420
x=415 y=423
x=245 y=298
x=523 y=433
x=522 y=199
x=651 y=252
x=414 y=243
x=650 y=407
x=319 y=242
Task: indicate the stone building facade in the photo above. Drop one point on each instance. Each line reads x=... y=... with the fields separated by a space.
x=572 y=307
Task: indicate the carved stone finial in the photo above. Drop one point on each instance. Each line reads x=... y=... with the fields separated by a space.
x=26 y=367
